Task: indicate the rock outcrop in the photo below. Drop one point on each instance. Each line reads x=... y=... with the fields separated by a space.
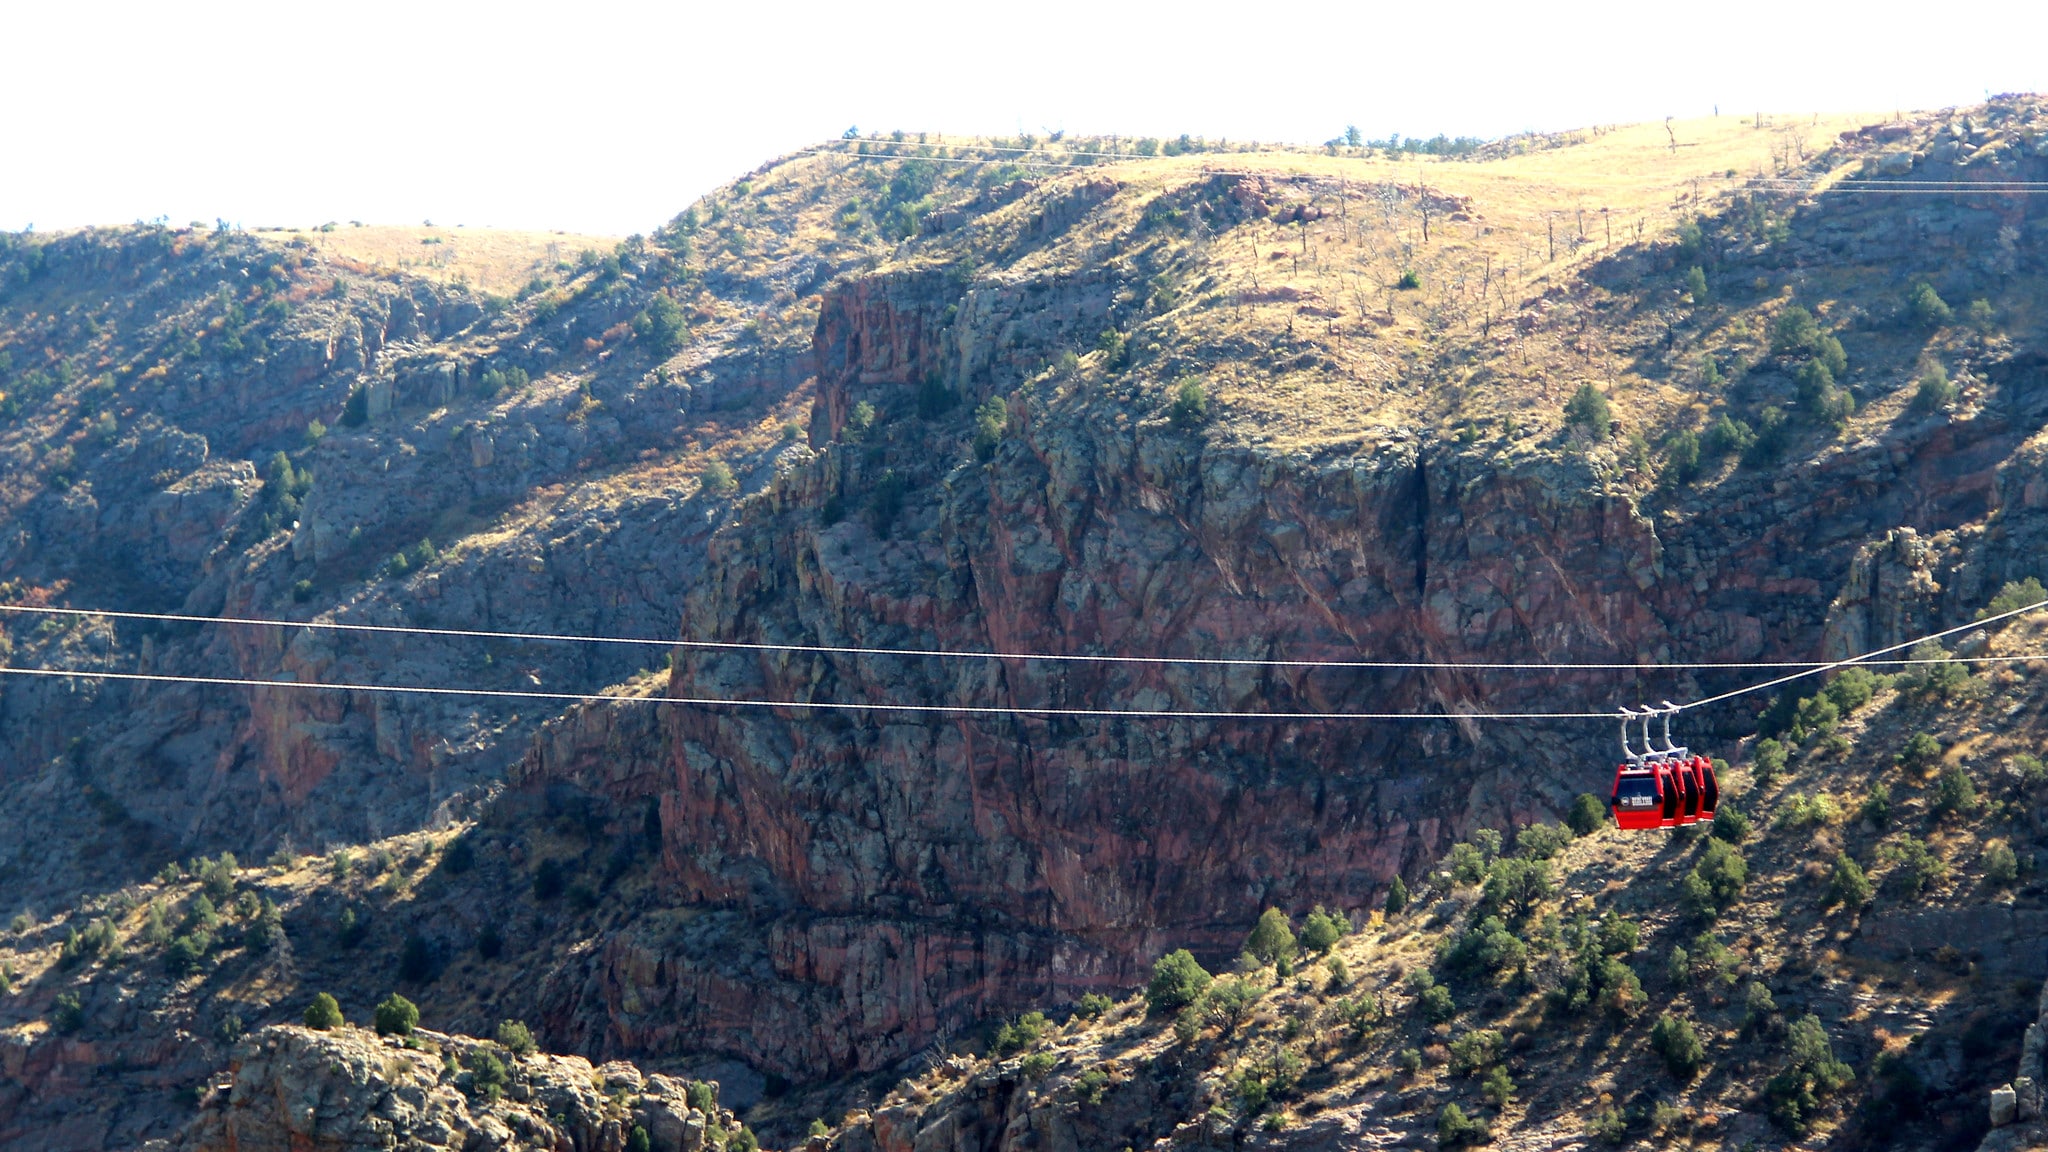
x=292 y=1089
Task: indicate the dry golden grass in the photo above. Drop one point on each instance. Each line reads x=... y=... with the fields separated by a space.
x=1480 y=343
x=491 y=259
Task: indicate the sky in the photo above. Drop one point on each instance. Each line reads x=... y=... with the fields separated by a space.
x=610 y=118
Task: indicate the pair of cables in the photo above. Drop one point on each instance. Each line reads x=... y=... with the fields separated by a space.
x=1797 y=671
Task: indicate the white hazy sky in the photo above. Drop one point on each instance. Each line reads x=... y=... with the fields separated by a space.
x=604 y=117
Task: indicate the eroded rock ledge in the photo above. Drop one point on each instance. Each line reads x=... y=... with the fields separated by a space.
x=293 y=1089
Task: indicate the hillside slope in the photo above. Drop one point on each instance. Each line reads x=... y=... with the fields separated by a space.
x=966 y=396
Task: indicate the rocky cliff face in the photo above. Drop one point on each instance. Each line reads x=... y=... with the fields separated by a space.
x=533 y=449
x=903 y=875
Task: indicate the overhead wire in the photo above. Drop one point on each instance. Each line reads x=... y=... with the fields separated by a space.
x=865 y=650
x=828 y=705
x=1873 y=656
x=1870 y=656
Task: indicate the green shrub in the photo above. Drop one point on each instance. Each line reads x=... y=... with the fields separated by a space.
x=639 y=1141
x=661 y=325
x=1773 y=436
x=1409 y=1061
x=1802 y=811
x=1477 y=1050
x=1607 y=1126
x=187 y=953
x=1455 y=1130
x=67 y=1015
x=1915 y=867
x=1730 y=823
x=100 y=938
x=1768 y=757
x=1467 y=864
x=2001 y=864
x=1498 y=1087
x=1271 y=938
x=1757 y=1005
x=1542 y=841
x=702 y=1096
x=1921 y=751
x=1619 y=935
x=496 y=380
x=1587 y=815
x=1340 y=974
x=515 y=1037
x=1093 y=1005
x=266 y=929
x=350 y=928
x=1037 y=1064
x=1794 y=331
x=1954 y=791
x=1019 y=1034
x=1674 y=1039
x=1934 y=391
x=1111 y=344
x=1190 y=404
x=1517 y=886
x=324 y=1013
x=1487 y=947
x=1437 y=1004
x=1876 y=809
x=396 y=1016
x=1811 y=1074
x=1228 y=1002
x=1716 y=881
x=2015 y=595
x=1819 y=397
x=1927 y=307
x=717 y=478
x=1936 y=675
x=1588 y=409
x=1816 y=715
x=1851 y=689
x=1410 y=281
x=991 y=417
x=1848 y=886
x=1177 y=981
x=1678 y=966
x=1979 y=317
x=1727 y=436
x=1320 y=932
x=488 y=1075
x=1361 y=1014
x=1696 y=284
x=858 y=422
x=1713 y=960
x=1090 y=1086
x=1681 y=459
